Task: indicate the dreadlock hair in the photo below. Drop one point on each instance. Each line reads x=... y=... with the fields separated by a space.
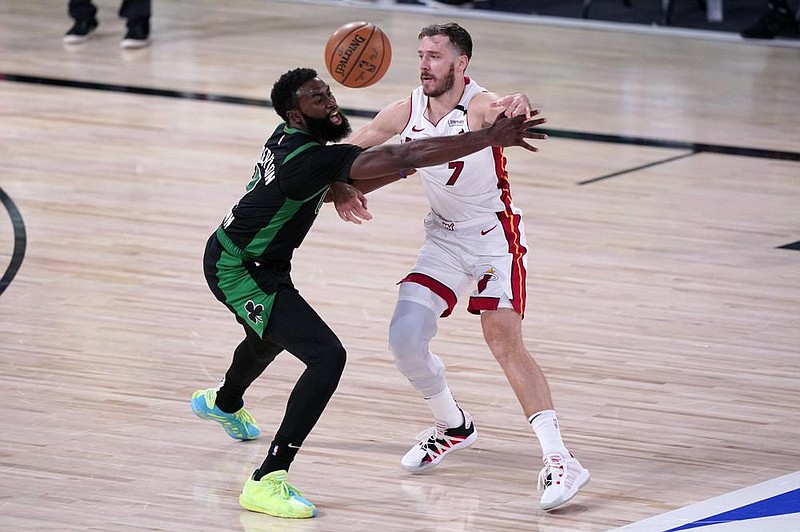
x=457 y=35
x=284 y=91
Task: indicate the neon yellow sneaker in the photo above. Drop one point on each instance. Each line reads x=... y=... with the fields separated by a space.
x=274 y=495
x=240 y=425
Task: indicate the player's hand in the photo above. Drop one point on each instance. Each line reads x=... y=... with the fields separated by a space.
x=514 y=105
x=514 y=131
x=350 y=203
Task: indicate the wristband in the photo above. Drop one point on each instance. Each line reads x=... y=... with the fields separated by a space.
x=402 y=174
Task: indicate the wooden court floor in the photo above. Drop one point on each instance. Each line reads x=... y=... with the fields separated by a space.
x=664 y=302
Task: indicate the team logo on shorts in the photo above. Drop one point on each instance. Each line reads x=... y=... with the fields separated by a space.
x=254 y=311
x=487 y=276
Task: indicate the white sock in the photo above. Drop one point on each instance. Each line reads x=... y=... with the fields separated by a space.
x=545 y=426
x=445 y=409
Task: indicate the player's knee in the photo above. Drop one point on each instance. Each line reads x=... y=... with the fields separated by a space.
x=412 y=327
x=402 y=340
x=333 y=359
x=338 y=359
x=408 y=351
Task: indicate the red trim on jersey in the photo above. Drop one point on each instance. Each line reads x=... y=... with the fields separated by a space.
x=510 y=223
x=502 y=177
x=436 y=287
x=517 y=250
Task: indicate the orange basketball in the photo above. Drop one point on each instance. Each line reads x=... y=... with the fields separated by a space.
x=358 y=54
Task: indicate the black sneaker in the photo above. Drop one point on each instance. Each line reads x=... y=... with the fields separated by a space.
x=435 y=443
x=772 y=24
x=81 y=31
x=137 y=36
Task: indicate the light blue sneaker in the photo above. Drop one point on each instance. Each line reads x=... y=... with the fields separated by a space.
x=240 y=425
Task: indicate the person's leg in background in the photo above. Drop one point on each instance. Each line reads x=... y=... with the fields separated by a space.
x=137 y=13
x=84 y=15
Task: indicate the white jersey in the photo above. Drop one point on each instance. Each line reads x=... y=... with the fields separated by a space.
x=472 y=187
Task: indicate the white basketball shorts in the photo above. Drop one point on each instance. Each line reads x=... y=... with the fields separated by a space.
x=488 y=253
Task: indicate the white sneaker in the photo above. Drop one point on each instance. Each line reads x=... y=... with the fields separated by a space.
x=561 y=479
x=435 y=442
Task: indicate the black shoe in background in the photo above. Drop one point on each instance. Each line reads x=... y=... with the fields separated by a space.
x=138 y=35
x=773 y=24
x=81 y=31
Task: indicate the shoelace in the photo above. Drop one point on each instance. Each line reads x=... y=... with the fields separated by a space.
x=553 y=468
x=436 y=432
x=430 y=438
x=244 y=417
x=286 y=489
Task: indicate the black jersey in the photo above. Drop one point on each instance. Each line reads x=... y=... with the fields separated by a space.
x=283 y=197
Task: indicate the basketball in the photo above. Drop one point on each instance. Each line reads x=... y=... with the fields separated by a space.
x=358 y=54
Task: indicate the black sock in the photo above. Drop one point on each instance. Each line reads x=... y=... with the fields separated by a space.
x=280 y=457
x=227 y=404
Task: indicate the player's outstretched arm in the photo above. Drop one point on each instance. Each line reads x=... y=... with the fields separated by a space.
x=388 y=159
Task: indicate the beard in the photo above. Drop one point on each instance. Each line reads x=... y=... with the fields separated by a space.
x=445 y=85
x=323 y=129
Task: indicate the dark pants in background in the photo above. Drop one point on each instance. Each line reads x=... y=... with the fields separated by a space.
x=135 y=11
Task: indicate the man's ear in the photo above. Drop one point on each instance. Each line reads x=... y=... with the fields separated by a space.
x=463 y=62
x=295 y=117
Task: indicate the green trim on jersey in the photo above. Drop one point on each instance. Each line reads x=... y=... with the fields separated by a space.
x=228 y=244
x=262 y=239
x=289 y=130
x=292 y=176
x=299 y=150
